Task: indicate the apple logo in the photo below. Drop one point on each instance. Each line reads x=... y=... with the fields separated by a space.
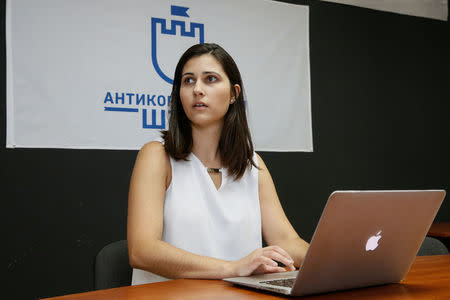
x=372 y=242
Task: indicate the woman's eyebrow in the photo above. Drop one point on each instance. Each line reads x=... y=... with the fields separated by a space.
x=210 y=72
x=204 y=73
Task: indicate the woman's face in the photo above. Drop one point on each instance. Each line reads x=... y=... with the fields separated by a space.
x=205 y=91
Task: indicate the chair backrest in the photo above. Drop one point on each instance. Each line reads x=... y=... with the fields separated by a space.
x=432 y=246
x=112 y=267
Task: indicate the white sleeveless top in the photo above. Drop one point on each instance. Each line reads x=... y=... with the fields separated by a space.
x=223 y=223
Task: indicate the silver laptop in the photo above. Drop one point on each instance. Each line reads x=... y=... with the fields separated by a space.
x=363 y=238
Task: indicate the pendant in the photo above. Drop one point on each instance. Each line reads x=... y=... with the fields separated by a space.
x=213 y=170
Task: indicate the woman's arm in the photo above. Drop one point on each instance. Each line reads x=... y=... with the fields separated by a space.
x=276 y=228
x=150 y=179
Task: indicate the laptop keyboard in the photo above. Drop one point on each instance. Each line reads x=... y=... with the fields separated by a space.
x=289 y=282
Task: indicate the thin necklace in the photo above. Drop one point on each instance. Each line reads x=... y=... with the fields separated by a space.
x=213 y=170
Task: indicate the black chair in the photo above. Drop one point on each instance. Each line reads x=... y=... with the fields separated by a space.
x=112 y=267
x=432 y=246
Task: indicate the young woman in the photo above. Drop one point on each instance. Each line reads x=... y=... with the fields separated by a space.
x=201 y=202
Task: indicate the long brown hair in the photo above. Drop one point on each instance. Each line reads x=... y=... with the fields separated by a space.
x=235 y=144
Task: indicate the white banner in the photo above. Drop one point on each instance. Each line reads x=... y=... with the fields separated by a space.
x=434 y=9
x=97 y=74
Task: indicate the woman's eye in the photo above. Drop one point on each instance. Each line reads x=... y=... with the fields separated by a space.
x=188 y=80
x=211 y=78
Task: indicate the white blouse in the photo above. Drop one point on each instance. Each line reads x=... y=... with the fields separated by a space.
x=223 y=223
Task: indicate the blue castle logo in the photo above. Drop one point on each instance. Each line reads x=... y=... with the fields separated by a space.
x=153 y=106
x=175 y=11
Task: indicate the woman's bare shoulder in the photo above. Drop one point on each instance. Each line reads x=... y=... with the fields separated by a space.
x=155 y=146
x=154 y=153
x=154 y=159
x=260 y=163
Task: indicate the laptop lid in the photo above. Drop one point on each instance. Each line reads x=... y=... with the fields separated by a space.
x=366 y=238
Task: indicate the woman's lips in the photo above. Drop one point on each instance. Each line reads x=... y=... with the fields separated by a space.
x=200 y=105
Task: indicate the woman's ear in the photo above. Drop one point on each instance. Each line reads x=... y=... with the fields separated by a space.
x=237 y=90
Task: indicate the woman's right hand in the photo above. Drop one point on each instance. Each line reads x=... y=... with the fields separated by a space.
x=263 y=260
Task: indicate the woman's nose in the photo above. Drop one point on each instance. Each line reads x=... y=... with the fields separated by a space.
x=198 y=89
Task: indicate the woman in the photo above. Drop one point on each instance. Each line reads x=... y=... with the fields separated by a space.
x=200 y=203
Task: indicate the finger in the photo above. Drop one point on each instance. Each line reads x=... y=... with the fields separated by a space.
x=281 y=251
x=273 y=254
x=290 y=268
x=264 y=260
x=258 y=264
x=278 y=257
x=260 y=261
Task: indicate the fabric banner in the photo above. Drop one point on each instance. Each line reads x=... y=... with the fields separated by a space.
x=98 y=74
x=434 y=9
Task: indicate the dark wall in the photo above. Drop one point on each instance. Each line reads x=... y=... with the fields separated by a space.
x=381 y=119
